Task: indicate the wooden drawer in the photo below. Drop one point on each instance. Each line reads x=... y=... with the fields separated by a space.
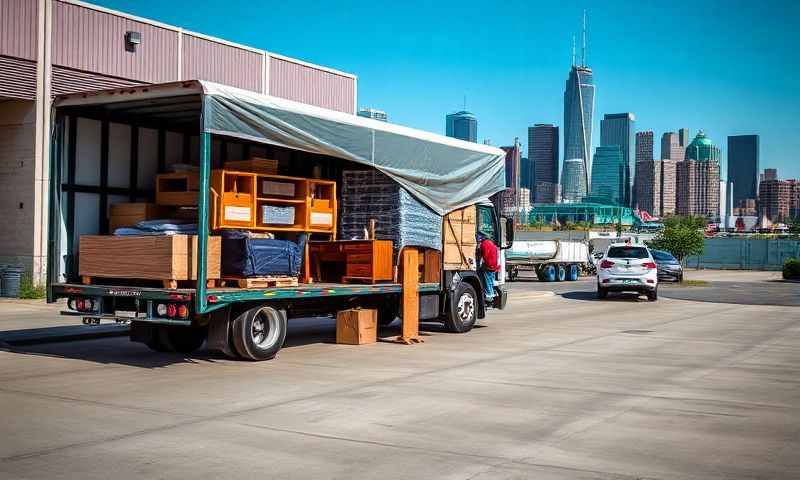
x=365 y=247
x=359 y=270
x=359 y=258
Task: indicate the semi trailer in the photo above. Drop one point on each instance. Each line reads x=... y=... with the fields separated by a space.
x=550 y=260
x=109 y=145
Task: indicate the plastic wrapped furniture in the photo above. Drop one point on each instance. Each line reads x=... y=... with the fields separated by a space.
x=370 y=194
x=243 y=256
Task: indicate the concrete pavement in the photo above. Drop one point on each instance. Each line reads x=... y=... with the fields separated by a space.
x=556 y=387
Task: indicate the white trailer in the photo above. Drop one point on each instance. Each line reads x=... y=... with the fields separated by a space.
x=552 y=260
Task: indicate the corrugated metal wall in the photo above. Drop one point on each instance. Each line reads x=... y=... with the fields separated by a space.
x=302 y=83
x=17 y=78
x=93 y=41
x=65 y=80
x=745 y=253
x=18 y=28
x=206 y=60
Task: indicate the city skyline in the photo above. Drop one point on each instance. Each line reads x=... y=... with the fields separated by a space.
x=640 y=64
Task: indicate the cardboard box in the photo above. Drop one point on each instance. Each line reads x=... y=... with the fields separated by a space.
x=283 y=189
x=166 y=257
x=460 y=241
x=357 y=326
x=129 y=214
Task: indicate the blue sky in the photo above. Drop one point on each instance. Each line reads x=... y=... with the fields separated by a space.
x=727 y=67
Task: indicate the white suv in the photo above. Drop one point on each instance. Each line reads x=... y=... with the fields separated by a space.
x=625 y=268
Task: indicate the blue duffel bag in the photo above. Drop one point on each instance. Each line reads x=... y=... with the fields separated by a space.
x=255 y=257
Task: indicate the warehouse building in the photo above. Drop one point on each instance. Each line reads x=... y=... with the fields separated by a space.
x=52 y=47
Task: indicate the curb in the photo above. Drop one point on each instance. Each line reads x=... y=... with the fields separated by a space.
x=70 y=333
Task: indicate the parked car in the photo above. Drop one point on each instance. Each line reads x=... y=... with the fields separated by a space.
x=628 y=268
x=669 y=268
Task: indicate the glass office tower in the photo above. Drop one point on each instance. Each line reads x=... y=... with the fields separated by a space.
x=608 y=175
x=462 y=125
x=578 y=113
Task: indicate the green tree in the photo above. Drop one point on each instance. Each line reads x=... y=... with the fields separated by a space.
x=682 y=237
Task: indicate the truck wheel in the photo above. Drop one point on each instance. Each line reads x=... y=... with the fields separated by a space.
x=185 y=339
x=388 y=311
x=549 y=273
x=259 y=333
x=572 y=272
x=561 y=273
x=602 y=292
x=463 y=309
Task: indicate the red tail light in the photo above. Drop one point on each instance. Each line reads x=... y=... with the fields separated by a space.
x=606 y=264
x=172 y=310
x=650 y=265
x=183 y=311
x=80 y=305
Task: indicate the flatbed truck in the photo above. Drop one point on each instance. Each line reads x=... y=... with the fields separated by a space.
x=107 y=145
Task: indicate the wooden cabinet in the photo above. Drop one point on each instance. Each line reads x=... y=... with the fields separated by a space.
x=255 y=201
x=352 y=261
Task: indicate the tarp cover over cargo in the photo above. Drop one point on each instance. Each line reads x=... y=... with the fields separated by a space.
x=442 y=172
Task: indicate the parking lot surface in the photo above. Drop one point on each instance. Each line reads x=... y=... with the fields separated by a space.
x=559 y=386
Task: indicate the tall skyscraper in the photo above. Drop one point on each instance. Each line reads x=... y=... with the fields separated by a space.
x=743 y=152
x=513 y=160
x=524 y=173
x=649 y=184
x=373 y=113
x=698 y=179
x=644 y=153
x=672 y=152
x=618 y=129
x=543 y=157
x=778 y=200
x=575 y=189
x=462 y=125
x=578 y=114
x=683 y=137
x=608 y=175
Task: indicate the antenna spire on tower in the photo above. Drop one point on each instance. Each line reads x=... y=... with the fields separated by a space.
x=573 y=51
x=583 y=49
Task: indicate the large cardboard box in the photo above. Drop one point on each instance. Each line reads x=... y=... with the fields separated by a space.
x=166 y=257
x=357 y=326
x=129 y=214
x=459 y=231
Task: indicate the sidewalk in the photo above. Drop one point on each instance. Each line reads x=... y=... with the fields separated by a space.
x=26 y=322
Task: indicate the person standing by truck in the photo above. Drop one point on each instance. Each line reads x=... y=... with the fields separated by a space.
x=489 y=265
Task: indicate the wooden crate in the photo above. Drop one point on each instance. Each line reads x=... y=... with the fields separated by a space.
x=177 y=189
x=459 y=231
x=129 y=214
x=266 y=166
x=357 y=326
x=166 y=258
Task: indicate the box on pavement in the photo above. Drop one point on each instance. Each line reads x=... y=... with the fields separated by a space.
x=357 y=326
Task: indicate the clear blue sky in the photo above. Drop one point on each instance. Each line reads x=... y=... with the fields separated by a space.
x=729 y=67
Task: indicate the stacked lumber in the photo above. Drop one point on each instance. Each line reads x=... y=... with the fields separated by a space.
x=460 y=242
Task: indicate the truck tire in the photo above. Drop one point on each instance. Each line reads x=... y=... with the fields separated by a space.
x=549 y=273
x=185 y=339
x=572 y=273
x=258 y=333
x=561 y=273
x=602 y=293
x=463 y=309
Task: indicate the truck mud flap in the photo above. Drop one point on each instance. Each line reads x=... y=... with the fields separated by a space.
x=219 y=334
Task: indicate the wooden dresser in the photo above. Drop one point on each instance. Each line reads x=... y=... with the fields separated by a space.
x=352 y=261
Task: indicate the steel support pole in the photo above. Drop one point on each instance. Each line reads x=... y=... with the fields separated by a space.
x=202 y=222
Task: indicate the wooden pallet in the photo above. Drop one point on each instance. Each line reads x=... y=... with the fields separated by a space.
x=166 y=283
x=261 y=282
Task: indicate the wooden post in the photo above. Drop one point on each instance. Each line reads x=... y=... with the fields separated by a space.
x=410 y=332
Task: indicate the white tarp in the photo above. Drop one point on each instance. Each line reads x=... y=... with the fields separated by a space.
x=442 y=172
